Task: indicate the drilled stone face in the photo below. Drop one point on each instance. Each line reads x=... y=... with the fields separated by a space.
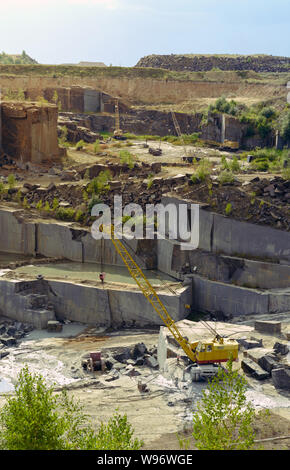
x=29 y=131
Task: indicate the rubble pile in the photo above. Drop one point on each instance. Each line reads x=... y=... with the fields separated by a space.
x=274 y=190
x=10 y=334
x=264 y=363
x=122 y=361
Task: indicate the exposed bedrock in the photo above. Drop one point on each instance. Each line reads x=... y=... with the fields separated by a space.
x=29 y=131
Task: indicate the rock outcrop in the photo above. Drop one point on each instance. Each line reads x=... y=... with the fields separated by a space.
x=29 y=131
x=203 y=63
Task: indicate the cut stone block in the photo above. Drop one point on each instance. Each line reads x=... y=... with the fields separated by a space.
x=151 y=362
x=54 y=326
x=249 y=344
x=256 y=354
x=270 y=327
x=281 y=378
x=250 y=367
x=281 y=348
x=287 y=334
x=268 y=363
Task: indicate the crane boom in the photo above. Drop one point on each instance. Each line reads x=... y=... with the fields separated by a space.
x=208 y=352
x=151 y=295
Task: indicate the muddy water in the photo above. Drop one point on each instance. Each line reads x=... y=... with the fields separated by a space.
x=90 y=272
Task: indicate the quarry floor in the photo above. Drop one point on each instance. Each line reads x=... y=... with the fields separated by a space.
x=157 y=416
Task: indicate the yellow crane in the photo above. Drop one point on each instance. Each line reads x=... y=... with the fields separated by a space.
x=208 y=352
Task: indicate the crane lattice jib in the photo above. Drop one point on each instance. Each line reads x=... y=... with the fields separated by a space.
x=150 y=294
x=178 y=130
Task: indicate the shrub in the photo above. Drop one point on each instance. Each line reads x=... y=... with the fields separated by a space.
x=285 y=126
x=65 y=213
x=286 y=174
x=234 y=165
x=79 y=216
x=100 y=184
x=47 y=207
x=223 y=106
x=62 y=140
x=268 y=112
x=203 y=171
x=224 y=163
x=150 y=181
x=228 y=209
x=80 y=144
x=225 y=177
x=11 y=180
x=260 y=164
x=55 y=204
x=96 y=146
x=127 y=158
x=25 y=203
x=93 y=201
x=39 y=205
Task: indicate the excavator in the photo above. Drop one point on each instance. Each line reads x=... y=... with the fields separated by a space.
x=203 y=356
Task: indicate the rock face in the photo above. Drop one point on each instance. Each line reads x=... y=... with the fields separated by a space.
x=154 y=122
x=80 y=99
x=201 y=63
x=29 y=131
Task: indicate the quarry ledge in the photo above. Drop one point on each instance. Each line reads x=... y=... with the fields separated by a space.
x=40 y=300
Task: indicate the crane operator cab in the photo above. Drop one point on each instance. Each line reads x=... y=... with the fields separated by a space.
x=215 y=351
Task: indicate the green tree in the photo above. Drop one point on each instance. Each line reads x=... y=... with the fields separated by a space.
x=126 y=158
x=38 y=419
x=224 y=418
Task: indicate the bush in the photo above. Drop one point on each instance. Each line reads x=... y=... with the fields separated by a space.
x=224 y=418
x=38 y=419
x=11 y=180
x=65 y=213
x=285 y=126
x=228 y=209
x=96 y=146
x=80 y=144
x=93 y=201
x=100 y=184
x=203 y=171
x=286 y=174
x=39 y=205
x=55 y=204
x=225 y=177
x=260 y=164
x=126 y=158
x=62 y=140
x=223 y=106
x=268 y=112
